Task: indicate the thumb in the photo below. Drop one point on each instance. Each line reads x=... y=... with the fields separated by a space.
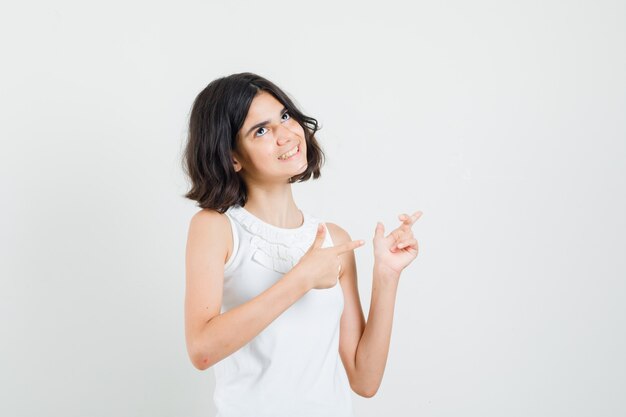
x=319 y=236
x=380 y=230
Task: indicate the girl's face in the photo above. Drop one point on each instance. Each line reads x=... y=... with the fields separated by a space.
x=268 y=133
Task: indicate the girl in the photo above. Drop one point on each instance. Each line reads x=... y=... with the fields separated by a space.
x=271 y=302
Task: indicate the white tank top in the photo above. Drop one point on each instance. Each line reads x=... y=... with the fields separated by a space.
x=292 y=368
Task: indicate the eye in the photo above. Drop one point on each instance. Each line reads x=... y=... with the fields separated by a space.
x=256 y=134
x=258 y=130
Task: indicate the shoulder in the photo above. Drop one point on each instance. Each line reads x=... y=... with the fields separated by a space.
x=337 y=233
x=208 y=218
x=210 y=229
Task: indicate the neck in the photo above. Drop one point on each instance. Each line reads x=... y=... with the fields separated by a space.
x=274 y=205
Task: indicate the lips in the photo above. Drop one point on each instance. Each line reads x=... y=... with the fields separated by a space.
x=297 y=150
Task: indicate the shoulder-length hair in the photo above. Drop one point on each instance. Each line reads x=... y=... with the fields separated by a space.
x=217 y=115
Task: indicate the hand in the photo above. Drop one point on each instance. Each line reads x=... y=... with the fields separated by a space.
x=398 y=249
x=322 y=266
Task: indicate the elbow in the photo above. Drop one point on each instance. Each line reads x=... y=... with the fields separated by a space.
x=364 y=392
x=367 y=393
x=201 y=360
x=201 y=364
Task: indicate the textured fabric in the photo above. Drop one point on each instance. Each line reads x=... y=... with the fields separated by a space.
x=292 y=368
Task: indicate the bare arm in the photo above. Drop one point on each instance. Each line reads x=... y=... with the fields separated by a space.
x=364 y=346
x=392 y=253
x=373 y=348
x=228 y=332
x=212 y=336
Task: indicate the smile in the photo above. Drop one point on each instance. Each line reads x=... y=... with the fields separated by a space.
x=291 y=154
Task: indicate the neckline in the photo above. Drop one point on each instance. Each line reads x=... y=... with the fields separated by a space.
x=303 y=226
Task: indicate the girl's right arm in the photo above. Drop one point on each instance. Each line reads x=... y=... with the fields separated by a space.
x=211 y=336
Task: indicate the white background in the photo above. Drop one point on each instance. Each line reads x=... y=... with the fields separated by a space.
x=504 y=122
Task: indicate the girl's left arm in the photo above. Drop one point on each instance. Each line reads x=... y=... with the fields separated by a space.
x=373 y=348
x=364 y=347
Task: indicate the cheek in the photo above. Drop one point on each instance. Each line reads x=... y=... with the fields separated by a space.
x=296 y=128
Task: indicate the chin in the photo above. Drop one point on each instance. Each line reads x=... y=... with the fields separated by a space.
x=299 y=171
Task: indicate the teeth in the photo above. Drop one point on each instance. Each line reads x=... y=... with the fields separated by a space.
x=288 y=154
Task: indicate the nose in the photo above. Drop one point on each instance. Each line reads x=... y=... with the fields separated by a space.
x=284 y=135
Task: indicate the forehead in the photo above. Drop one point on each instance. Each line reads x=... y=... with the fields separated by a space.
x=264 y=106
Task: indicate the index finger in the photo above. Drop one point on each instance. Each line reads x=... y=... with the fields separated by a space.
x=410 y=220
x=347 y=246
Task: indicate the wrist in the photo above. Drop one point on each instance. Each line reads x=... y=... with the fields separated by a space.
x=300 y=279
x=385 y=272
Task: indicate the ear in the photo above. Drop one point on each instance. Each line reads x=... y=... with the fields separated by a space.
x=236 y=163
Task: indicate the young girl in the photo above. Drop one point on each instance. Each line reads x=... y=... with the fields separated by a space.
x=272 y=303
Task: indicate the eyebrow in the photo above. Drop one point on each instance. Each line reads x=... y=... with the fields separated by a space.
x=264 y=122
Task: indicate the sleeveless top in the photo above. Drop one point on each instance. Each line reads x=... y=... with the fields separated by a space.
x=292 y=367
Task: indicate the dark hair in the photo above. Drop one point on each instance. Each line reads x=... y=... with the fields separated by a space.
x=217 y=115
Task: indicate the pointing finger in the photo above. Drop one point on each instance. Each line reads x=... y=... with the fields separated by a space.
x=347 y=246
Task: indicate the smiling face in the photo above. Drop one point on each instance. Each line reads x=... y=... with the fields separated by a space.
x=268 y=133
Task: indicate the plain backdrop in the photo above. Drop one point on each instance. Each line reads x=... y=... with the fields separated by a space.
x=503 y=121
